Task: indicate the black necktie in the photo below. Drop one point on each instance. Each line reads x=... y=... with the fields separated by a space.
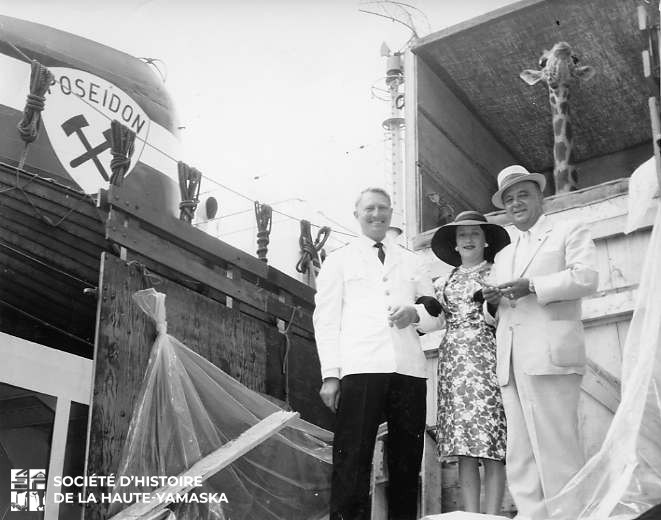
x=381 y=254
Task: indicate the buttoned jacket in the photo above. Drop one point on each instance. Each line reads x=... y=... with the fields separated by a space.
x=542 y=333
x=355 y=294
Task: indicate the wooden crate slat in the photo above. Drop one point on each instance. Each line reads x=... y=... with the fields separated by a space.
x=126 y=231
x=37 y=232
x=50 y=193
x=87 y=231
x=163 y=271
x=204 y=243
x=68 y=315
x=48 y=253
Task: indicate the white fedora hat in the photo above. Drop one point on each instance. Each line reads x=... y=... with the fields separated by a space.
x=513 y=175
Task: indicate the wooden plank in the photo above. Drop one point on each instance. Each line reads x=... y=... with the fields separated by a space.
x=56 y=461
x=164 y=272
x=431 y=371
x=126 y=231
x=603 y=266
x=602 y=345
x=49 y=192
x=47 y=249
x=609 y=304
x=52 y=372
x=602 y=386
x=431 y=484
x=204 y=244
x=232 y=341
x=622 y=331
x=616 y=225
x=54 y=312
x=75 y=224
x=603 y=222
x=626 y=255
x=213 y=463
x=33 y=274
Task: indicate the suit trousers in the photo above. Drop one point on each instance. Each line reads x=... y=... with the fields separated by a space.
x=365 y=401
x=543 y=448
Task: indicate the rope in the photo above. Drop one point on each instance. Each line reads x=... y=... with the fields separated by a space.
x=285 y=357
x=189 y=188
x=122 y=145
x=149 y=279
x=309 y=260
x=264 y=216
x=29 y=125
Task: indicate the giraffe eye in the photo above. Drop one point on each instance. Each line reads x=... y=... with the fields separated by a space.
x=542 y=62
x=574 y=59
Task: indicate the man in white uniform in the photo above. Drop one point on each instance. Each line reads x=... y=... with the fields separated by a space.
x=372 y=364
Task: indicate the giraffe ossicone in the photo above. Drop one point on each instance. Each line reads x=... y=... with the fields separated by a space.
x=559 y=67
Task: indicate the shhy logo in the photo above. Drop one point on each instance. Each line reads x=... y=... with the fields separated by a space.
x=28 y=489
x=77 y=118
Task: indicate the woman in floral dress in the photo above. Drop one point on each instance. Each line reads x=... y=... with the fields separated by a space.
x=471 y=419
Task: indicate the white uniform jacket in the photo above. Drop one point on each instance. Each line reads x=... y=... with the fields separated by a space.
x=542 y=333
x=354 y=295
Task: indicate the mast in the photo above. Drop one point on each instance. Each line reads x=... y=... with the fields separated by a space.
x=394 y=127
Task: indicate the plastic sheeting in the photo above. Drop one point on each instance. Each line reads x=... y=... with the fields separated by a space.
x=623 y=479
x=187 y=408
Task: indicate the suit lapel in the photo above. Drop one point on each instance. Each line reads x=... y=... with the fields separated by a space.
x=536 y=247
x=510 y=260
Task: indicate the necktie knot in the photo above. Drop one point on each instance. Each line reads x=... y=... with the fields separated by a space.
x=381 y=254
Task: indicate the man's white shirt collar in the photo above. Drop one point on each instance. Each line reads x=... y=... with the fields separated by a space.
x=536 y=229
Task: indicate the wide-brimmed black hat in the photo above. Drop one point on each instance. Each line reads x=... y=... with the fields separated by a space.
x=445 y=239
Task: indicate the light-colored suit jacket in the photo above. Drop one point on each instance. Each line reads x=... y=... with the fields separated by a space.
x=354 y=294
x=543 y=331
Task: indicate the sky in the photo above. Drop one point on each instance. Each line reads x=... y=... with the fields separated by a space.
x=275 y=97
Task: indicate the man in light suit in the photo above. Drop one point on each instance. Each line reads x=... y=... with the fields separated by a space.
x=539 y=280
x=372 y=364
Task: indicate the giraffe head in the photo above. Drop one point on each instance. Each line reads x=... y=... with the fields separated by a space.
x=559 y=67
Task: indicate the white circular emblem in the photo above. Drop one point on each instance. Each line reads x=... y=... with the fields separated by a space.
x=77 y=117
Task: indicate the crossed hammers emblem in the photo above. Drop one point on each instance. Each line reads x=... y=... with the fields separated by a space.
x=75 y=125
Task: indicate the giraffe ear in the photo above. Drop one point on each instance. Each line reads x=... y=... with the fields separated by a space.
x=531 y=76
x=584 y=73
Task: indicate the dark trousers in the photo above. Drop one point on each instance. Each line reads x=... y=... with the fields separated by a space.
x=365 y=401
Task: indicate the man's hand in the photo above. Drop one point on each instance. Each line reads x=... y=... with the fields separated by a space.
x=515 y=289
x=330 y=393
x=492 y=294
x=401 y=316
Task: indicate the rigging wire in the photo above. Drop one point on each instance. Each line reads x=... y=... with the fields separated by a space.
x=165 y=154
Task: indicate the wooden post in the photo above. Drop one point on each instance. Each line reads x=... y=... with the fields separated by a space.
x=648 y=71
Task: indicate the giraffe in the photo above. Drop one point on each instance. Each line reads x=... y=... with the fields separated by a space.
x=558 y=67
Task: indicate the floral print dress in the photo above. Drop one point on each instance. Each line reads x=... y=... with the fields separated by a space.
x=471 y=419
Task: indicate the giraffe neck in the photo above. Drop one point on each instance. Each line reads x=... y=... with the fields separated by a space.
x=564 y=172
